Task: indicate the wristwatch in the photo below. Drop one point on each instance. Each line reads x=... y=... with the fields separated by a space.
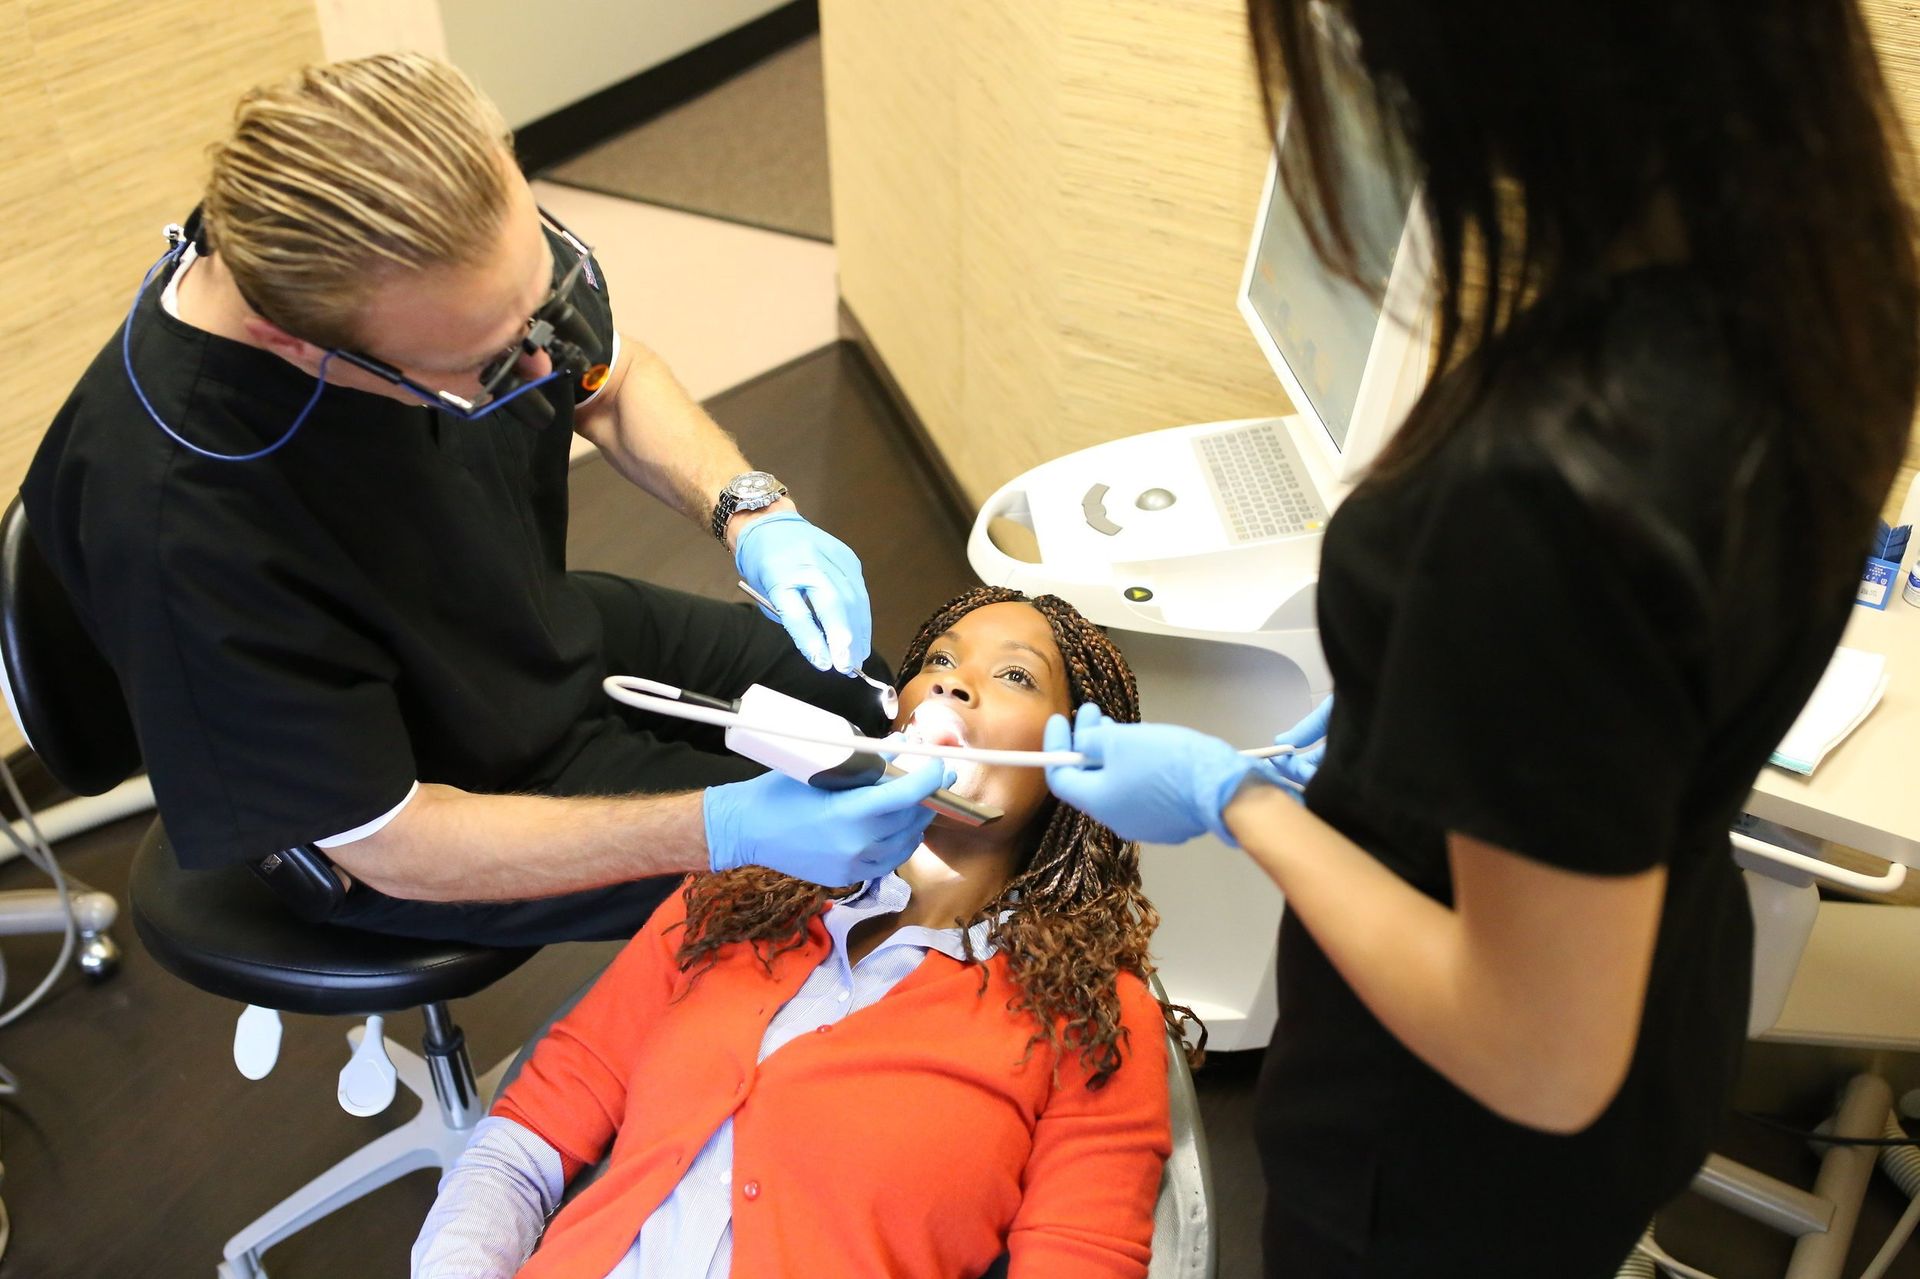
x=752 y=491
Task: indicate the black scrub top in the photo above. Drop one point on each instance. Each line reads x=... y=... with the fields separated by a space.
x=1539 y=638
x=303 y=636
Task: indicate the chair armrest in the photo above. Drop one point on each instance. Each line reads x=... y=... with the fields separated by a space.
x=305 y=880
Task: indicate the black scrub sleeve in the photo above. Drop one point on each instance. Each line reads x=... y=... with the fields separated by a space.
x=267 y=718
x=1541 y=687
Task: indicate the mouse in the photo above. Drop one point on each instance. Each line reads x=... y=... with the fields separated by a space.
x=1154 y=500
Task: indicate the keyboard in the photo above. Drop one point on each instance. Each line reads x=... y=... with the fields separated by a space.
x=1259 y=484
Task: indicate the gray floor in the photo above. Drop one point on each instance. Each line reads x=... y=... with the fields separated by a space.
x=753 y=150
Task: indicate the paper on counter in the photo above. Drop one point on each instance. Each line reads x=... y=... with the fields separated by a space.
x=1853 y=684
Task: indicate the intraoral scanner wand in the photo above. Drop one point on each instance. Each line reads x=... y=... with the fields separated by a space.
x=788 y=735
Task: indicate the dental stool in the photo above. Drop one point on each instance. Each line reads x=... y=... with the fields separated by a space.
x=41 y=910
x=1185 y=1232
x=228 y=933
x=231 y=935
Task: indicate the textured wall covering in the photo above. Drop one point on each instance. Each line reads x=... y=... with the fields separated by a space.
x=1042 y=207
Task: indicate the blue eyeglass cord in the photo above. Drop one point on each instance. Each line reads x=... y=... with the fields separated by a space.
x=320 y=384
x=126 y=359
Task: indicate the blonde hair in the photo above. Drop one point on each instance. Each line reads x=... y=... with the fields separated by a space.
x=350 y=172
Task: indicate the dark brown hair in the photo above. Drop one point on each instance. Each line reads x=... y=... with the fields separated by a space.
x=1545 y=136
x=1076 y=917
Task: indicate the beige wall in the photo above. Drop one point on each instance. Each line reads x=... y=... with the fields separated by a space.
x=1041 y=209
x=579 y=48
x=576 y=47
x=361 y=28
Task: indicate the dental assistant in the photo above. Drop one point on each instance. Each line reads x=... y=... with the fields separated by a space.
x=311 y=503
x=1569 y=613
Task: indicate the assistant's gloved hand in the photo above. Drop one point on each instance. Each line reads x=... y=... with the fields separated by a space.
x=1298 y=768
x=1159 y=783
x=814 y=581
x=825 y=836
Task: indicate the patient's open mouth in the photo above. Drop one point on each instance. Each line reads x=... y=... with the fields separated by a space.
x=935 y=724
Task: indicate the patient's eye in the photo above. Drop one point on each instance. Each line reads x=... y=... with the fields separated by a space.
x=937 y=658
x=1019 y=675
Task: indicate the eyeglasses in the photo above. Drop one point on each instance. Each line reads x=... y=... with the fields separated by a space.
x=555 y=327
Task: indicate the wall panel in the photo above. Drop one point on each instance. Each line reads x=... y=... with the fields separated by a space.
x=894 y=125
x=534 y=61
x=1041 y=209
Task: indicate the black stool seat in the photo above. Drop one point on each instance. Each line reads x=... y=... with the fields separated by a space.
x=227 y=933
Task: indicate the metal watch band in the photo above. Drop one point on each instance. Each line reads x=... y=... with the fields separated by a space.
x=731 y=502
x=722 y=512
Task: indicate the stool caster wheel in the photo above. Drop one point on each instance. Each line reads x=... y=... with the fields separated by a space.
x=98 y=957
x=245 y=1266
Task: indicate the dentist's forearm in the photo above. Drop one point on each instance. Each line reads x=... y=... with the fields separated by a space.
x=451 y=845
x=656 y=436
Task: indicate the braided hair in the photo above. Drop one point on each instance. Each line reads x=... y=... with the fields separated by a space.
x=1075 y=915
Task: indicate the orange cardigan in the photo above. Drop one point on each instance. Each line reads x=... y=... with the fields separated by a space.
x=910 y=1141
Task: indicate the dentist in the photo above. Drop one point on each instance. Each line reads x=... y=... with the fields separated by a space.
x=311 y=503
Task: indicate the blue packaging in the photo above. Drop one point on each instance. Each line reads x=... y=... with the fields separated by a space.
x=1878 y=581
x=1881 y=577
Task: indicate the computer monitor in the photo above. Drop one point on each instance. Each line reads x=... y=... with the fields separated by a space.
x=1352 y=360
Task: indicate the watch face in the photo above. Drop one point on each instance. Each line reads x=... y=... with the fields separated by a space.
x=753 y=484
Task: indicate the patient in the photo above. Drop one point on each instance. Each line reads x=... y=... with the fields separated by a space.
x=904 y=1078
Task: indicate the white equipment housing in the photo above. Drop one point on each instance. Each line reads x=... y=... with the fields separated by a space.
x=1226 y=643
x=1198 y=547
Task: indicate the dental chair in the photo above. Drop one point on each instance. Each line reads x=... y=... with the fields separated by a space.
x=41 y=910
x=231 y=935
x=1185 y=1243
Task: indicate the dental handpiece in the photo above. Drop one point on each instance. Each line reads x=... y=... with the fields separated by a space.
x=840 y=767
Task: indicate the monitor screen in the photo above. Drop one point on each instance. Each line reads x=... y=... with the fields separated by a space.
x=1323 y=325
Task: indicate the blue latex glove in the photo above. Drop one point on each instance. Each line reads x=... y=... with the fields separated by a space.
x=1297 y=769
x=814 y=582
x=1158 y=783
x=826 y=836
